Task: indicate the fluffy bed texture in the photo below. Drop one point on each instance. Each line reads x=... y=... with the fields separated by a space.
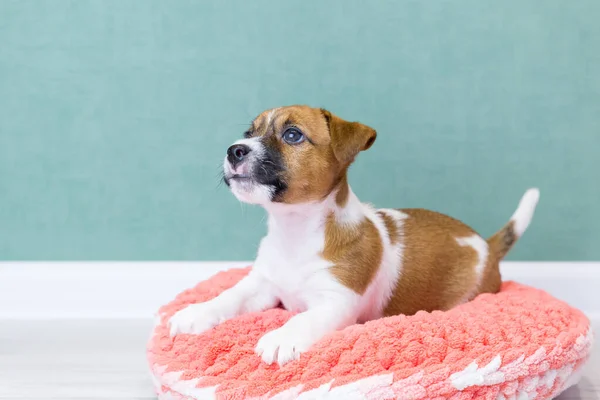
x=518 y=344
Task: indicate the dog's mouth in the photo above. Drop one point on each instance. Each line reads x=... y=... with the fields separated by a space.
x=240 y=177
x=242 y=180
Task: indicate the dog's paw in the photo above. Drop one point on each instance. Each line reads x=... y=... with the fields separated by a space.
x=194 y=319
x=282 y=345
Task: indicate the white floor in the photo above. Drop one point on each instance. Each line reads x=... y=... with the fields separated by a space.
x=104 y=359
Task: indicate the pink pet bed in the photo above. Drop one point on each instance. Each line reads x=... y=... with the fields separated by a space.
x=518 y=344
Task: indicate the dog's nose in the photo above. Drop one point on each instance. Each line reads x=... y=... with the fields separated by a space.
x=237 y=153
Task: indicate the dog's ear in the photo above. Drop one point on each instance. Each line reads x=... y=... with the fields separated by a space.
x=348 y=138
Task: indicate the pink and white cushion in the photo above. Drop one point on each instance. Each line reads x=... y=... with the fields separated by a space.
x=518 y=344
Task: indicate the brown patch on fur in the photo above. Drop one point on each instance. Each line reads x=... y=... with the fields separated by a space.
x=341 y=197
x=348 y=138
x=499 y=245
x=391 y=226
x=491 y=280
x=437 y=272
x=501 y=242
x=355 y=250
x=312 y=168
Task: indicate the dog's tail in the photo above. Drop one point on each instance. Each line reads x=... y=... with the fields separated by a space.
x=503 y=240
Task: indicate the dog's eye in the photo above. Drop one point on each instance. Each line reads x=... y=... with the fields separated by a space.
x=293 y=136
x=247 y=134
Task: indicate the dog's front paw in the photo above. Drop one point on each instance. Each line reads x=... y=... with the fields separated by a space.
x=194 y=319
x=282 y=345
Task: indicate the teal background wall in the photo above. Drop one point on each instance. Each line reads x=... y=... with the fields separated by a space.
x=115 y=116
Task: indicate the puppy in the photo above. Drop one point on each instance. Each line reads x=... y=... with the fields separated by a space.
x=330 y=258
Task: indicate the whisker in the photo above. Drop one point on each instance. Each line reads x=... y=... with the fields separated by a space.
x=264 y=170
x=267 y=162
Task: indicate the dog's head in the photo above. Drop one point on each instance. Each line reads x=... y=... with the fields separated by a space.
x=293 y=155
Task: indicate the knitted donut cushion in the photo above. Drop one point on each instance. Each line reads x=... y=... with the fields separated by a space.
x=520 y=343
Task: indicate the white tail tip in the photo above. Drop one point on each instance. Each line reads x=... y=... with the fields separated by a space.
x=522 y=217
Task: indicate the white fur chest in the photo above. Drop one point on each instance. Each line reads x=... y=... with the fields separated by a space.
x=289 y=257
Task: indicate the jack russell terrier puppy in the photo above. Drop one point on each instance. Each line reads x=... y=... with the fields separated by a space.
x=330 y=258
